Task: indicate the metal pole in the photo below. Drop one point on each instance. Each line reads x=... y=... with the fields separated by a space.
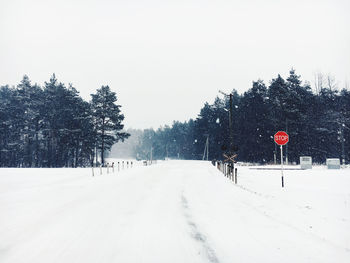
x=287 y=144
x=208 y=148
x=282 y=166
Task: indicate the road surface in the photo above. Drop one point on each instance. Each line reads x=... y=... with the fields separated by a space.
x=175 y=211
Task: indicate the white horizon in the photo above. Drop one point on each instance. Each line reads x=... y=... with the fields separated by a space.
x=165 y=60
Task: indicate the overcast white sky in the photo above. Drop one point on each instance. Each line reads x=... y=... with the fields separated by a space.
x=165 y=59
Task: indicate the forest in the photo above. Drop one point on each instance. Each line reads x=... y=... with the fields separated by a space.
x=317 y=121
x=52 y=126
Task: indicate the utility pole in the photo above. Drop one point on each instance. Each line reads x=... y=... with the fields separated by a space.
x=230 y=123
x=230 y=118
x=231 y=147
x=342 y=143
x=206 y=148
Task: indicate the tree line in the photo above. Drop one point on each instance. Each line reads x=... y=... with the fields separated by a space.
x=52 y=126
x=318 y=124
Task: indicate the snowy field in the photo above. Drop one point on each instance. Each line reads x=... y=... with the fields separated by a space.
x=174 y=211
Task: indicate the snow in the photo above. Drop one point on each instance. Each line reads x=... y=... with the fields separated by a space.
x=174 y=211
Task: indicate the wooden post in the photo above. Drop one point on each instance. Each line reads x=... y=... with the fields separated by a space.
x=113 y=166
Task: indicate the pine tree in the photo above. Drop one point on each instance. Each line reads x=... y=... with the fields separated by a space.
x=255 y=129
x=107 y=120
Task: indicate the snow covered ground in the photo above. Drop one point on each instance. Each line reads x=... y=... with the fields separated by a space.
x=174 y=211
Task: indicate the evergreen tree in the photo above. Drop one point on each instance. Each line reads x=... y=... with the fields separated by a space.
x=107 y=120
x=255 y=128
x=31 y=101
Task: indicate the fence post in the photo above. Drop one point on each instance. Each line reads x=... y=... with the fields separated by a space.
x=235 y=175
x=113 y=166
x=100 y=169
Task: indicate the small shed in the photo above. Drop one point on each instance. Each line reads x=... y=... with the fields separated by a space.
x=333 y=163
x=305 y=162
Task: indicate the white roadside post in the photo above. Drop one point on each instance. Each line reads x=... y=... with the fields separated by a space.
x=281 y=138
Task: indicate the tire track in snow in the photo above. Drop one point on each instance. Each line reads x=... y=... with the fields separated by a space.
x=196 y=233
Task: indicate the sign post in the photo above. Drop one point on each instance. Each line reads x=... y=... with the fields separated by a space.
x=281 y=138
x=282 y=165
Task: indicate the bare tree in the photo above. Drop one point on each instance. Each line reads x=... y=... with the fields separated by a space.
x=319 y=82
x=331 y=83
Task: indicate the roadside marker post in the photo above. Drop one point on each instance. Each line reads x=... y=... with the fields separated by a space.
x=235 y=175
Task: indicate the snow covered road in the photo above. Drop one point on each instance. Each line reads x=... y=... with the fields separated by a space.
x=176 y=211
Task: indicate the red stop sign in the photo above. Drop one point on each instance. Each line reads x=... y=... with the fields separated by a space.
x=281 y=138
